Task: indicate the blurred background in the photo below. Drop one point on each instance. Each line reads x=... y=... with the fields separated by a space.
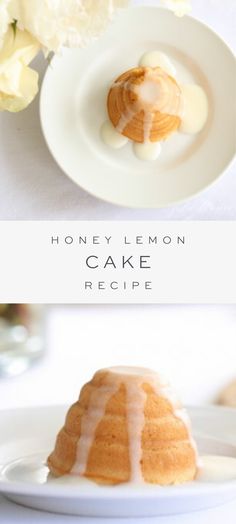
x=48 y=352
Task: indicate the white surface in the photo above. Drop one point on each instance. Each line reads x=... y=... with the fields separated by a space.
x=72 y=111
x=137 y=262
x=24 y=477
x=33 y=187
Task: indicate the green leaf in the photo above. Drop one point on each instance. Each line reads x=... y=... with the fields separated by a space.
x=14 y=24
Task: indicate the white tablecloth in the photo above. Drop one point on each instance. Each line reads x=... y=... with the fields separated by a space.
x=33 y=187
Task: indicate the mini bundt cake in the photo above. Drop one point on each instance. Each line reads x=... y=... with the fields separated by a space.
x=145 y=104
x=127 y=426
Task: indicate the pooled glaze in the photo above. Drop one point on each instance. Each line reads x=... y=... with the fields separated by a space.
x=147 y=151
x=133 y=379
x=158 y=59
x=195 y=109
x=216 y=468
x=213 y=469
x=192 y=107
x=111 y=137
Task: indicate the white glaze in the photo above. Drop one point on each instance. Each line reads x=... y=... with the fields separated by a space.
x=89 y=423
x=152 y=94
x=136 y=399
x=157 y=59
x=195 y=109
x=131 y=370
x=111 y=137
x=149 y=92
x=133 y=379
x=147 y=127
x=125 y=119
x=147 y=151
x=216 y=469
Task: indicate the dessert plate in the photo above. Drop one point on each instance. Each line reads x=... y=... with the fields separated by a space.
x=73 y=108
x=27 y=436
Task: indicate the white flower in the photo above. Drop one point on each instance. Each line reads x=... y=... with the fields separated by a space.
x=5 y=18
x=56 y=23
x=18 y=83
x=180 y=7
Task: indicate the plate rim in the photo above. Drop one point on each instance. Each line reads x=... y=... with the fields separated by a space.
x=68 y=492
x=177 y=201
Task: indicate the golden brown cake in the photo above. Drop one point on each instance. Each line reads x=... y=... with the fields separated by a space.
x=145 y=104
x=127 y=426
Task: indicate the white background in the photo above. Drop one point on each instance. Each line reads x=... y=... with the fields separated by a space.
x=200 y=271
x=193 y=345
x=33 y=187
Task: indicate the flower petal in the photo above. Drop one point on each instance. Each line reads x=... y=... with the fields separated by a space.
x=28 y=89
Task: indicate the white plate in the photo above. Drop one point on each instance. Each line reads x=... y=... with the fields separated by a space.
x=27 y=436
x=73 y=107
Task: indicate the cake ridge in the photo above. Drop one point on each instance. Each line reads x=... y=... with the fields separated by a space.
x=145 y=104
x=131 y=428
